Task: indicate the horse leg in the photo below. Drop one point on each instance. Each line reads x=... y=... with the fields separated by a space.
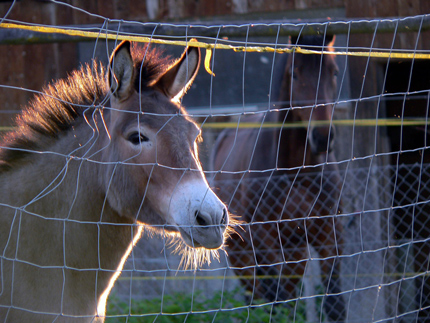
x=326 y=244
x=269 y=283
x=245 y=264
x=242 y=262
x=422 y=297
x=292 y=274
x=334 y=304
x=249 y=279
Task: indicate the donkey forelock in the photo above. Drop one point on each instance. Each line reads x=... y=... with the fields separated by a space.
x=62 y=104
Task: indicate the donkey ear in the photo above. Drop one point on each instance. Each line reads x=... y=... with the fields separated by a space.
x=329 y=40
x=180 y=75
x=121 y=71
x=293 y=40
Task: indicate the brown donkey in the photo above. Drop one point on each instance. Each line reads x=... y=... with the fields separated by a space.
x=94 y=160
x=285 y=184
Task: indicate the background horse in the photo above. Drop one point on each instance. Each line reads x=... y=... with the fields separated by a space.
x=78 y=180
x=285 y=185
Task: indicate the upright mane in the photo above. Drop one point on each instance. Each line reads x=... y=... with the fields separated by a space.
x=61 y=104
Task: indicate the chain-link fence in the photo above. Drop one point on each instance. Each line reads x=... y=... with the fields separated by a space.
x=350 y=245
x=381 y=245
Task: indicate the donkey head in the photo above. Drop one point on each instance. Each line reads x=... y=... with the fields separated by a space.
x=155 y=173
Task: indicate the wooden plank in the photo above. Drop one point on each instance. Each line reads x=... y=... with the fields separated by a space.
x=106 y=8
x=408 y=8
x=18 y=36
x=209 y=8
x=223 y=8
x=80 y=17
x=68 y=58
x=127 y=10
x=13 y=74
x=63 y=15
x=357 y=9
x=424 y=8
x=386 y=8
x=192 y=8
x=270 y=6
x=300 y=4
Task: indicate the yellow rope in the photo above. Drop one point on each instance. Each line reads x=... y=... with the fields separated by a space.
x=144 y=39
x=386 y=122
x=208 y=61
x=292 y=276
x=210 y=47
x=345 y=122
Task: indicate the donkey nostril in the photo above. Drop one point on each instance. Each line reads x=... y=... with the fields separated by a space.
x=224 y=217
x=200 y=219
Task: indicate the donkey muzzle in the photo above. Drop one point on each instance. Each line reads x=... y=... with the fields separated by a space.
x=200 y=216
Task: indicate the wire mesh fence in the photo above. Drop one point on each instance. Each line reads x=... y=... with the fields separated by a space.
x=383 y=267
x=340 y=235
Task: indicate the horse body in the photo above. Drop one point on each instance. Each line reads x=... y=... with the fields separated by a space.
x=288 y=186
x=79 y=182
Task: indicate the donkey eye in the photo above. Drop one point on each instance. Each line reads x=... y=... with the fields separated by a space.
x=136 y=138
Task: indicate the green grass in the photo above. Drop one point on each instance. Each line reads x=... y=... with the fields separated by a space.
x=197 y=308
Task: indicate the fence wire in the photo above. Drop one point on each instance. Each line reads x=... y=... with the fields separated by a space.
x=383 y=263
x=350 y=245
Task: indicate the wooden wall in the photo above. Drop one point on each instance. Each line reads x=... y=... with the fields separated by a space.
x=31 y=66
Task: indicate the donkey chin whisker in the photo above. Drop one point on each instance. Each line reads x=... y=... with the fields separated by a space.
x=191 y=257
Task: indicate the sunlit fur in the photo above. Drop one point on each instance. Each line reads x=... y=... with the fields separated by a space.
x=59 y=104
x=101 y=306
x=77 y=190
x=193 y=258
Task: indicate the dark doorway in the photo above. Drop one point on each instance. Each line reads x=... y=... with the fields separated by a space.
x=408 y=89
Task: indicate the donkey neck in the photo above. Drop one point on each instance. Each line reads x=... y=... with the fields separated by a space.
x=54 y=214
